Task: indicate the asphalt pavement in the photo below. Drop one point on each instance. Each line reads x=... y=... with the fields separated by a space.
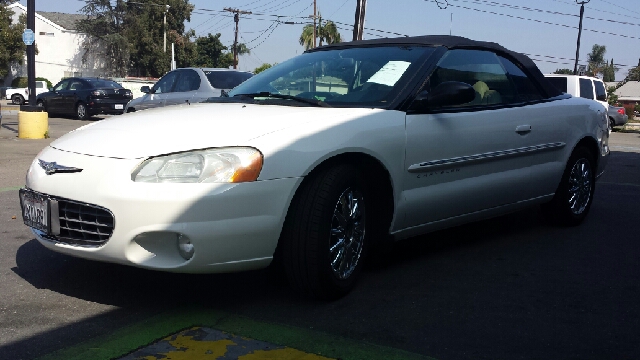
x=513 y=287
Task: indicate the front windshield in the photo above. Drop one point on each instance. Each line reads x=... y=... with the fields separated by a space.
x=370 y=76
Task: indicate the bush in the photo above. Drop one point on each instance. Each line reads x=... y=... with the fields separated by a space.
x=21 y=82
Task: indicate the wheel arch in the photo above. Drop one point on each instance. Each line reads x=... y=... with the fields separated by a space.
x=592 y=146
x=378 y=179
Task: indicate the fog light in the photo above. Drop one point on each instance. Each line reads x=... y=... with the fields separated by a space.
x=185 y=247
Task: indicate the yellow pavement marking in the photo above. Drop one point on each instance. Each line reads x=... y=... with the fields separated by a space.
x=186 y=346
x=281 y=354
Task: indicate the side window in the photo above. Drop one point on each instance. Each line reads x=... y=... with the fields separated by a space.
x=526 y=89
x=76 y=85
x=601 y=93
x=189 y=80
x=559 y=82
x=480 y=69
x=165 y=84
x=62 y=85
x=586 y=88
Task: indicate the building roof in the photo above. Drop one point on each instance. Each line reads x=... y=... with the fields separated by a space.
x=67 y=21
x=629 y=91
x=62 y=21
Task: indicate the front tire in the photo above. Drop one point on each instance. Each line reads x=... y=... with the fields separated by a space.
x=574 y=195
x=324 y=239
x=81 y=111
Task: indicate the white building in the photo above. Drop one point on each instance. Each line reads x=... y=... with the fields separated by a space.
x=60 y=47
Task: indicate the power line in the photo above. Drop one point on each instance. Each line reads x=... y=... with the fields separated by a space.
x=516 y=7
x=598 y=10
x=616 y=5
x=538 y=21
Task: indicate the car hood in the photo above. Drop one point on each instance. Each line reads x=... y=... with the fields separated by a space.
x=187 y=127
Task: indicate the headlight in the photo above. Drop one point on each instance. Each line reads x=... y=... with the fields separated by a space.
x=223 y=165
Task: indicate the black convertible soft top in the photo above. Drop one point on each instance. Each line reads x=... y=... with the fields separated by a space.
x=455 y=42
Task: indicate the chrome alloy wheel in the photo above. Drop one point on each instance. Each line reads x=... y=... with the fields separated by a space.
x=82 y=111
x=580 y=186
x=347 y=233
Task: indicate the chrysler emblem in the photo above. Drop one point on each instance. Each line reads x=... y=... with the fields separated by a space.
x=52 y=168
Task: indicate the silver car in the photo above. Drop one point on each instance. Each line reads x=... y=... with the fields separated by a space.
x=617 y=116
x=190 y=85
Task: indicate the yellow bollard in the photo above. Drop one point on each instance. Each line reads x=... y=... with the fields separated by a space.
x=32 y=125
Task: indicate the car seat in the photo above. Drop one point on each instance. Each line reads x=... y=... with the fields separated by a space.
x=484 y=95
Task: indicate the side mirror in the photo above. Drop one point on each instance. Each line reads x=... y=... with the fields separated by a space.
x=448 y=93
x=601 y=97
x=145 y=89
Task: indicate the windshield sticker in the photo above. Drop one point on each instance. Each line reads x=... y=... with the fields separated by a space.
x=390 y=73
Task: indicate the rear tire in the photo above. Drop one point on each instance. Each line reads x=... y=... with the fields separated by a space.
x=17 y=99
x=574 y=196
x=325 y=238
x=81 y=111
x=611 y=123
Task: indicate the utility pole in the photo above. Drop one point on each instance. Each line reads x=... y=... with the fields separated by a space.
x=358 y=26
x=236 y=19
x=575 y=66
x=314 y=23
x=31 y=53
x=165 y=27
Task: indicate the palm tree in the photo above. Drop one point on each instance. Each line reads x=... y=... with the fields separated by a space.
x=306 y=38
x=596 y=60
x=327 y=32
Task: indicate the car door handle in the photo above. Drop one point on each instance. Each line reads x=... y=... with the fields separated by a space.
x=523 y=129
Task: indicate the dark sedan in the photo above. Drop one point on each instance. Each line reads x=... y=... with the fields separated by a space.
x=85 y=97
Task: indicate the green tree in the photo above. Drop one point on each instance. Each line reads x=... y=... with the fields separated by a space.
x=262 y=68
x=563 y=71
x=12 y=49
x=106 y=40
x=634 y=73
x=128 y=35
x=210 y=51
x=596 y=60
x=612 y=98
x=145 y=32
x=327 y=32
x=609 y=73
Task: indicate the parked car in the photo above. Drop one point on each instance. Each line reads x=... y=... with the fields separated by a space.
x=20 y=96
x=582 y=86
x=617 y=116
x=190 y=85
x=85 y=97
x=321 y=160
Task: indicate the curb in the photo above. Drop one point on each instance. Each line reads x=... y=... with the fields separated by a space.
x=10 y=109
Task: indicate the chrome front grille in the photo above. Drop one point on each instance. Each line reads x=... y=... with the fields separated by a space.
x=82 y=224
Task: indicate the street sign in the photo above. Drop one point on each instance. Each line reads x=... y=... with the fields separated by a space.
x=28 y=37
x=582 y=70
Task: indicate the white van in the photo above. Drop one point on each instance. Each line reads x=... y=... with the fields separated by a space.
x=582 y=86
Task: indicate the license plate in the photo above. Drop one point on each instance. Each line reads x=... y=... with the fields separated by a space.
x=119 y=106
x=35 y=210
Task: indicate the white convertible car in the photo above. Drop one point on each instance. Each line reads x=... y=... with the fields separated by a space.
x=320 y=160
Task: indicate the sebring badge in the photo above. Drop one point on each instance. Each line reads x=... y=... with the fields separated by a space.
x=52 y=168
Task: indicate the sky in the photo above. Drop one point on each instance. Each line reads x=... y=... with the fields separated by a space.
x=546 y=30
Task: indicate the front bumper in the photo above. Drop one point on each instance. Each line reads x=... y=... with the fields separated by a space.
x=233 y=227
